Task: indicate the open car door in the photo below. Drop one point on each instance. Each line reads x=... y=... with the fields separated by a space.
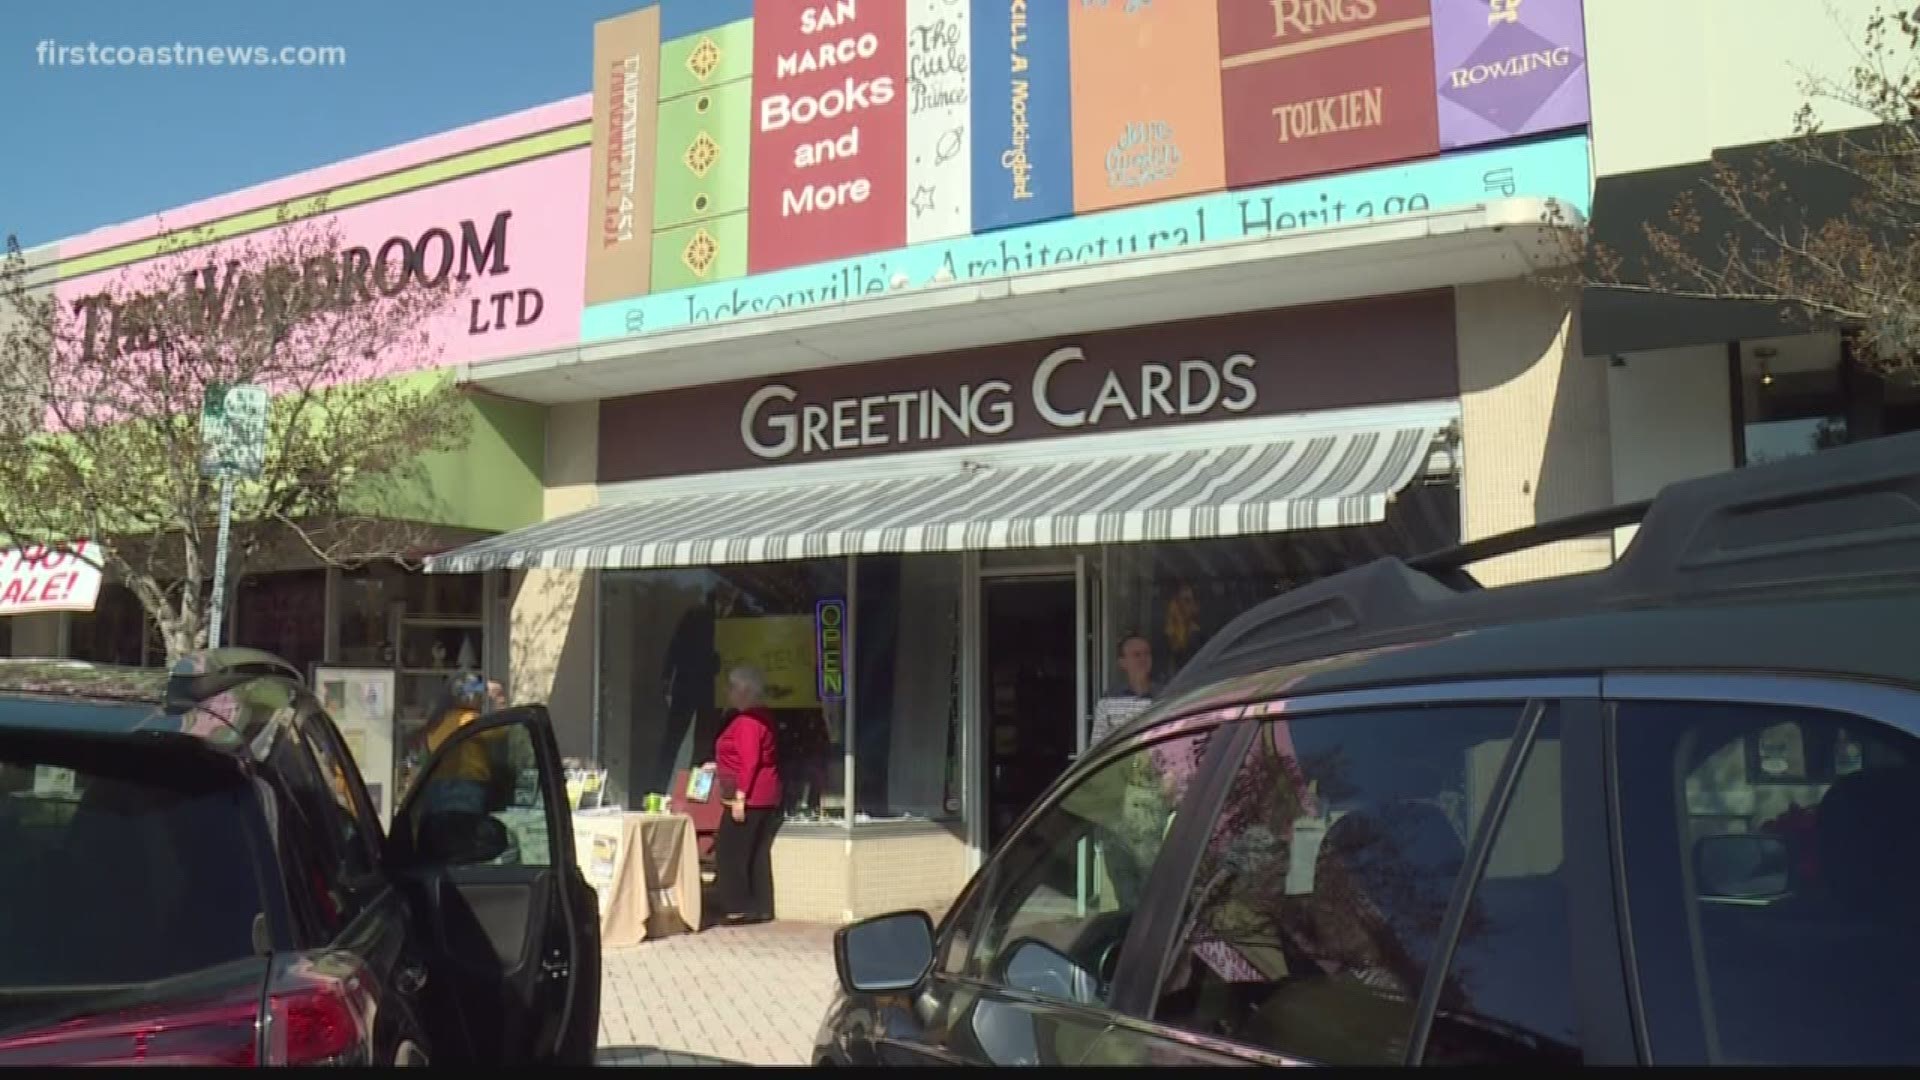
x=483 y=845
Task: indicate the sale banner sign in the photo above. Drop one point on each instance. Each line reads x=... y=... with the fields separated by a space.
x=41 y=577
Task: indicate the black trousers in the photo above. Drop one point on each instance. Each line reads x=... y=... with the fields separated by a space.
x=743 y=862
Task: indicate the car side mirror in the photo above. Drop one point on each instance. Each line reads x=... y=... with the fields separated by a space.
x=884 y=954
x=461 y=838
x=1038 y=968
x=1742 y=866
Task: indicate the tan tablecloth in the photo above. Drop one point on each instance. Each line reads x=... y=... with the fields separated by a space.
x=646 y=868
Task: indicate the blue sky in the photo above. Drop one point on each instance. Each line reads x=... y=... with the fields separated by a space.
x=82 y=147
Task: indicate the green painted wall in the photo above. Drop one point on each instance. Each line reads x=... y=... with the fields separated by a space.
x=494 y=484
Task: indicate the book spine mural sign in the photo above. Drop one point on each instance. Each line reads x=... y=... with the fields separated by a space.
x=830 y=131
x=1508 y=68
x=738 y=142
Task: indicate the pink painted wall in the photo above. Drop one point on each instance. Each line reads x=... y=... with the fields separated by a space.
x=500 y=129
x=538 y=290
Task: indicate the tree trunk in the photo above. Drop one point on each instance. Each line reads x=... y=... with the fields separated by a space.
x=180 y=639
x=182 y=626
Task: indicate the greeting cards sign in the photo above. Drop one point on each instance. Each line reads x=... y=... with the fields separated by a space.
x=829 y=131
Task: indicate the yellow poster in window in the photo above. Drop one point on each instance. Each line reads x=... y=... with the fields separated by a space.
x=781 y=646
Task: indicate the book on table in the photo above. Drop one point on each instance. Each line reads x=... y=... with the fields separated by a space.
x=700 y=785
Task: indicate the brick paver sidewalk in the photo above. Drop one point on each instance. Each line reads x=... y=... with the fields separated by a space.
x=748 y=995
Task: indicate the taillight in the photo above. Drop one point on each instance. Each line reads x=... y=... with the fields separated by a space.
x=220 y=1033
x=315 y=1020
x=316 y=1024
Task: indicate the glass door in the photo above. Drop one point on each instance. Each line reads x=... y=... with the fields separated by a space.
x=1091 y=633
x=1035 y=672
x=1031 y=671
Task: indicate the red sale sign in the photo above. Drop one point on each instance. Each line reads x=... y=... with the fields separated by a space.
x=829 y=131
x=44 y=578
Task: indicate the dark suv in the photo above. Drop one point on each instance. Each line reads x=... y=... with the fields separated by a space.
x=1667 y=812
x=192 y=873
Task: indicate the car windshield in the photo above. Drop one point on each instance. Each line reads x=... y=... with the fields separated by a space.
x=123 y=861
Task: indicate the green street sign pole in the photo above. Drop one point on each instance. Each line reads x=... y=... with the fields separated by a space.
x=220 y=561
x=233 y=426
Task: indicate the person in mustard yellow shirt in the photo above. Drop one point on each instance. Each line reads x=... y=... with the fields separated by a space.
x=462 y=781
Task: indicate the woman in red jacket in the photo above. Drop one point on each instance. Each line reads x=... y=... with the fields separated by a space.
x=749 y=782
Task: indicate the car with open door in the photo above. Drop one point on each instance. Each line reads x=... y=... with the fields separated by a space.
x=509 y=925
x=1664 y=813
x=192 y=872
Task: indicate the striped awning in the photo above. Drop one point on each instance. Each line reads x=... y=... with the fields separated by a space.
x=1306 y=482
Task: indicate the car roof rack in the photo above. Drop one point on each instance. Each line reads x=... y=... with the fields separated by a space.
x=1843 y=518
x=200 y=675
x=1449 y=564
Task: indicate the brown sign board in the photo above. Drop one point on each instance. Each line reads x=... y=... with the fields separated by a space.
x=626 y=120
x=1268 y=363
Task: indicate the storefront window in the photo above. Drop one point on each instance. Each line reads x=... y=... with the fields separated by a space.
x=284 y=614
x=1178 y=595
x=371 y=602
x=1801 y=395
x=116 y=631
x=907 y=675
x=442 y=596
x=430 y=627
x=668 y=639
x=1790 y=413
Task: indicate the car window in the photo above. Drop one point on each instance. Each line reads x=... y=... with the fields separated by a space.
x=957 y=946
x=494 y=775
x=1318 y=902
x=1060 y=895
x=353 y=814
x=119 y=864
x=1508 y=996
x=318 y=843
x=1773 y=857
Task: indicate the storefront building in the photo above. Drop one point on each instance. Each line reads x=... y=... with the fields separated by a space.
x=918 y=373
x=918 y=352
x=501 y=203
x=1697 y=386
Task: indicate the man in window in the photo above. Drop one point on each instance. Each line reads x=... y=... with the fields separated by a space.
x=1136 y=691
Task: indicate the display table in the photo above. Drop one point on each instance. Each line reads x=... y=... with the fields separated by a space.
x=646 y=868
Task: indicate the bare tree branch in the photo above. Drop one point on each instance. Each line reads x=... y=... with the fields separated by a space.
x=1823 y=225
